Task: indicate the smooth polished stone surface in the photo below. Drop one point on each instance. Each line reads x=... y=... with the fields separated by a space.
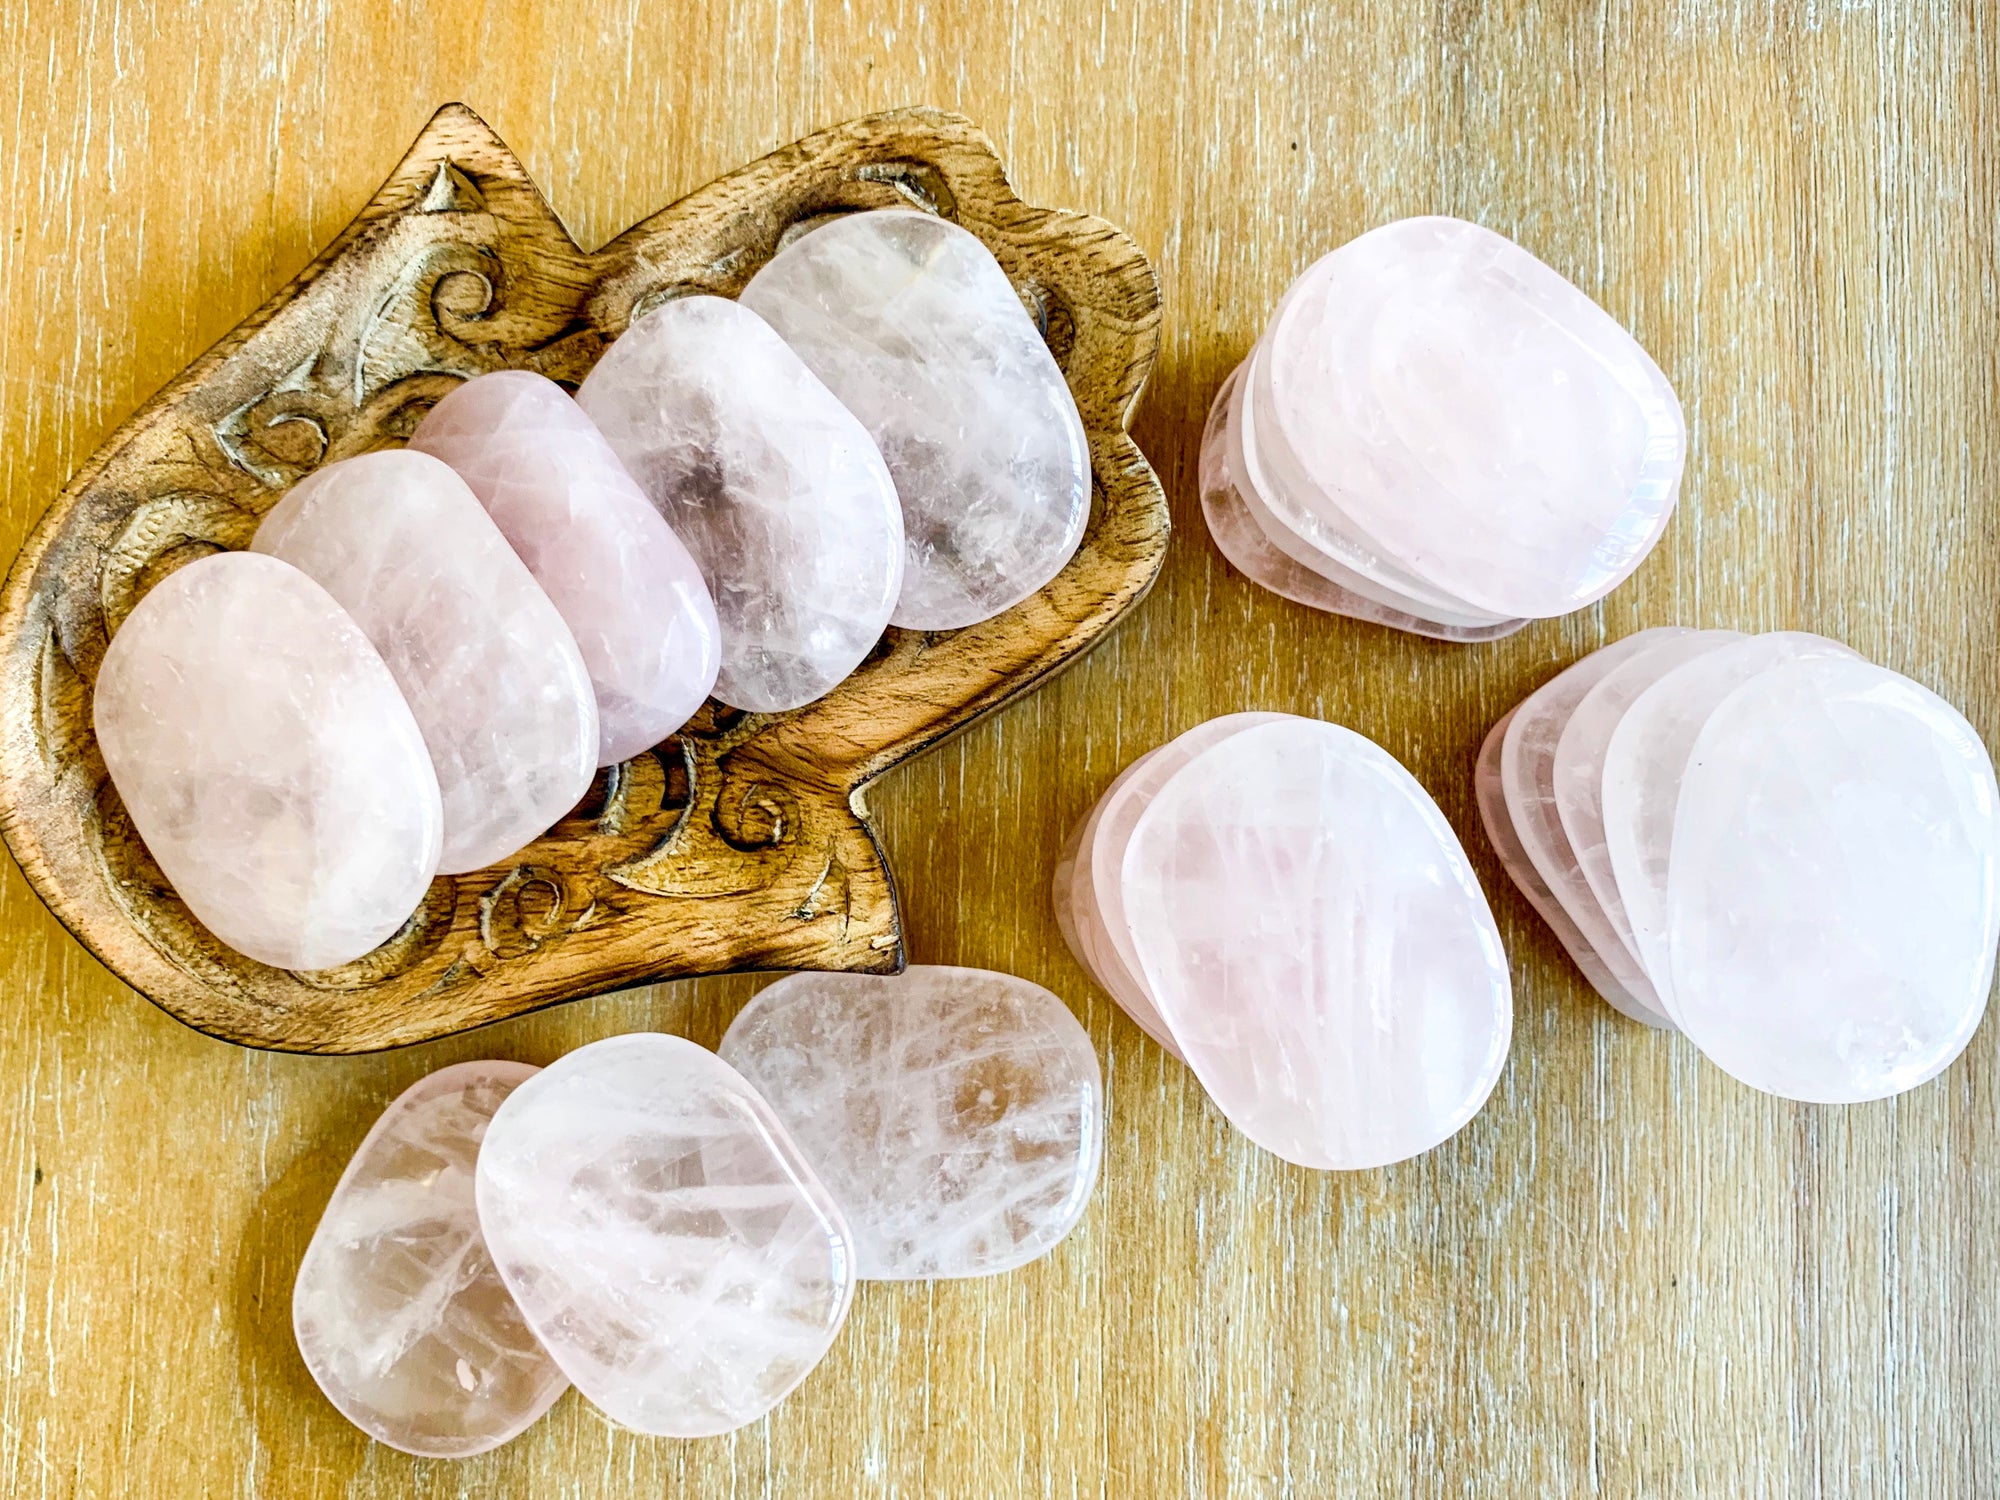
x=1499 y=825
x=913 y=324
x=775 y=487
x=1244 y=538
x=1579 y=764
x=1834 y=892
x=1312 y=932
x=663 y=1235
x=626 y=587
x=484 y=659
x=1527 y=781
x=269 y=762
x=955 y=1115
x=1475 y=415
x=398 y=1311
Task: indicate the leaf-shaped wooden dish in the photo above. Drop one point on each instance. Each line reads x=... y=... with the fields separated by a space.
x=742 y=843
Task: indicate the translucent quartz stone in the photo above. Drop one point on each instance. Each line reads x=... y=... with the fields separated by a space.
x=626 y=587
x=1527 y=784
x=1834 y=894
x=483 y=658
x=1579 y=765
x=1435 y=389
x=1643 y=767
x=955 y=1115
x=914 y=325
x=269 y=762
x=663 y=1235
x=398 y=1311
x=1311 y=931
x=1082 y=928
x=774 y=486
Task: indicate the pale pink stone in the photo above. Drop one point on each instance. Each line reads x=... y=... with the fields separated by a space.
x=1438 y=392
x=1499 y=825
x=955 y=1115
x=623 y=582
x=663 y=1235
x=1312 y=932
x=1082 y=929
x=1643 y=767
x=776 y=488
x=913 y=324
x=269 y=762
x=1244 y=532
x=399 y=1314
x=1527 y=782
x=484 y=659
x=1833 y=899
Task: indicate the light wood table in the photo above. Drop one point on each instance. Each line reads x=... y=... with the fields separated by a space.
x=1628 y=1276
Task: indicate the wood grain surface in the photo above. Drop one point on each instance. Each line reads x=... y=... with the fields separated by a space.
x=1628 y=1276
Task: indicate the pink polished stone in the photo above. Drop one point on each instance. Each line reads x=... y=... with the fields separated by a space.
x=1527 y=781
x=775 y=487
x=1579 y=766
x=1310 y=929
x=1082 y=929
x=1833 y=899
x=484 y=659
x=398 y=1311
x=269 y=762
x=955 y=1115
x=663 y=1235
x=1440 y=393
x=626 y=587
x=1643 y=767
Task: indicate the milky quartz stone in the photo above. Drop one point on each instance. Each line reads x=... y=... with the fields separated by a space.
x=1438 y=392
x=663 y=1235
x=775 y=487
x=628 y=590
x=484 y=660
x=1579 y=765
x=955 y=1115
x=1082 y=928
x=268 y=762
x=913 y=324
x=1313 y=934
x=398 y=1310
x=1833 y=899
x=1643 y=767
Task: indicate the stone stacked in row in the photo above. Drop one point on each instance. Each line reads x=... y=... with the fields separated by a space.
x=1438 y=433
x=1786 y=852
x=1278 y=903
x=679 y=1233
x=741 y=498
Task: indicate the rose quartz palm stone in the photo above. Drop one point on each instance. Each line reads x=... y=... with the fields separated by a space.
x=269 y=762
x=483 y=658
x=398 y=1310
x=664 y=1236
x=1310 y=930
x=626 y=587
x=955 y=1115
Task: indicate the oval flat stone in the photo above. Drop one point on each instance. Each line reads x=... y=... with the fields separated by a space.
x=1312 y=932
x=1833 y=901
x=398 y=1311
x=663 y=1235
x=774 y=486
x=628 y=590
x=483 y=658
x=912 y=323
x=1579 y=766
x=1481 y=420
x=269 y=762
x=1643 y=767
x=955 y=1115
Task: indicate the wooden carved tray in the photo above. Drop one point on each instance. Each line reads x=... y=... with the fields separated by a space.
x=742 y=843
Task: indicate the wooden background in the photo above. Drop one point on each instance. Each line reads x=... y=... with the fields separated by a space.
x=1628 y=1276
